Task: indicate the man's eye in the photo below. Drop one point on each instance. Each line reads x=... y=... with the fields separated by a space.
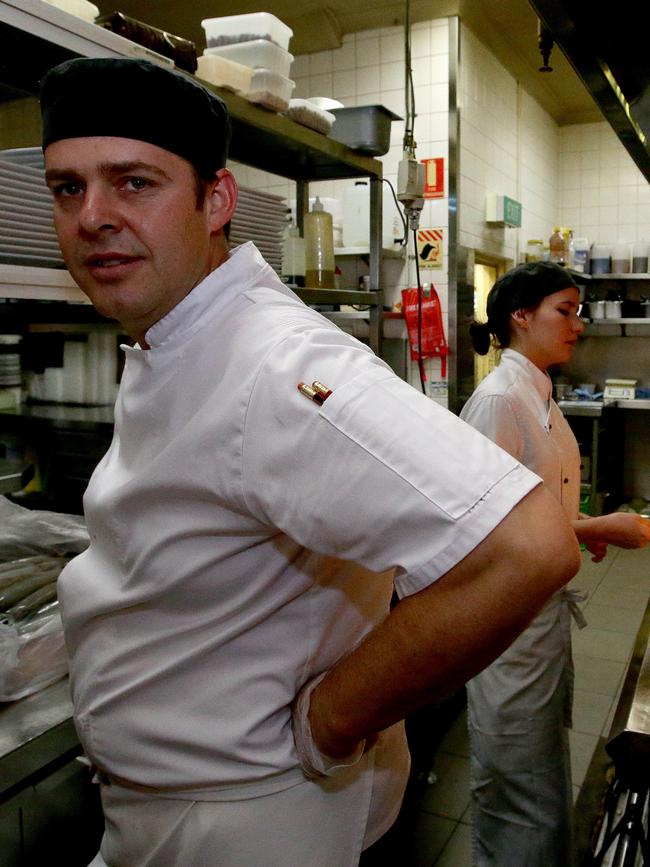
x=138 y=183
x=65 y=189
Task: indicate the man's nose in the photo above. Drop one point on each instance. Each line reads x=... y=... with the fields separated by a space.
x=99 y=211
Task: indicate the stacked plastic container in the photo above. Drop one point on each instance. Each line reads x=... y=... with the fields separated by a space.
x=259 y=42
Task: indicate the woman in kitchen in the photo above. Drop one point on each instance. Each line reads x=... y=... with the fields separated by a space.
x=520 y=706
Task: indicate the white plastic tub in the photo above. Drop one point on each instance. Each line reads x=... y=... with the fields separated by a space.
x=244 y=28
x=270 y=89
x=258 y=53
x=304 y=112
x=225 y=73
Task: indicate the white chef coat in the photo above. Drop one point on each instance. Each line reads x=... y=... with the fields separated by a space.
x=244 y=538
x=520 y=705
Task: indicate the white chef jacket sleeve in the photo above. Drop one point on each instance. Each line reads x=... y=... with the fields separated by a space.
x=379 y=474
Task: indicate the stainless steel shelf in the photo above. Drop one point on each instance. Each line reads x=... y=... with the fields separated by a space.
x=37 y=36
x=338 y=296
x=580 y=276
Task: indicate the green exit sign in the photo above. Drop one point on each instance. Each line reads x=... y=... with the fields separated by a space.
x=503 y=211
x=511 y=212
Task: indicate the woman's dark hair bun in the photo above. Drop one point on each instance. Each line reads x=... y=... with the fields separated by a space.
x=481 y=337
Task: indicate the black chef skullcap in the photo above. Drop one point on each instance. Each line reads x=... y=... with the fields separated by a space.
x=136 y=99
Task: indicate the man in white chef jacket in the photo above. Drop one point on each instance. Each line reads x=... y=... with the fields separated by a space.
x=237 y=679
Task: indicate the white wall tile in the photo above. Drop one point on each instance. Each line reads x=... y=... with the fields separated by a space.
x=367 y=50
x=391 y=76
x=391 y=46
x=320 y=62
x=367 y=80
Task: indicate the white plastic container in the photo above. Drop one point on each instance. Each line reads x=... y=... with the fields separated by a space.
x=307 y=114
x=356 y=218
x=270 y=89
x=293 y=256
x=601 y=259
x=80 y=8
x=258 y=53
x=356 y=215
x=244 y=28
x=225 y=73
x=640 y=254
x=621 y=258
x=580 y=257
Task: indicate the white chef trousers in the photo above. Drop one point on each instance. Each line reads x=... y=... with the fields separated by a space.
x=518 y=710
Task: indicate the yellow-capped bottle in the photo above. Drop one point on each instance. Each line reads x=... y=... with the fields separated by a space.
x=319 y=248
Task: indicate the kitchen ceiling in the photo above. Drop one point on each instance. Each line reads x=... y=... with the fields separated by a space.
x=507 y=27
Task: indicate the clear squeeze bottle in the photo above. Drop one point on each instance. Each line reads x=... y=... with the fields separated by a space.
x=319 y=248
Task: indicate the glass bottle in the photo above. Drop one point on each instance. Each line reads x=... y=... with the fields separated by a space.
x=557 y=247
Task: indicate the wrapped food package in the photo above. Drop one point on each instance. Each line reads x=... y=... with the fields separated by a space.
x=181 y=51
x=34 y=548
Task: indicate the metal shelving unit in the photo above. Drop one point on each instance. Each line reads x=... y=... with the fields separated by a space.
x=38 y=36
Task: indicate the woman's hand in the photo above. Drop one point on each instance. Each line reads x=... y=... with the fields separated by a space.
x=597 y=549
x=623 y=529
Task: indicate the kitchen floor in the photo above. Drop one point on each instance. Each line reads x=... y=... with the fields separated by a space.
x=435 y=824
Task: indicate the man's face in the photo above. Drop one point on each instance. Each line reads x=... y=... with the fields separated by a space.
x=129 y=227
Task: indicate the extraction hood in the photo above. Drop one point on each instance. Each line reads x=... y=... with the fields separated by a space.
x=609 y=50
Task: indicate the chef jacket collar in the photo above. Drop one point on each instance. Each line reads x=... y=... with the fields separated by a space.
x=541 y=379
x=210 y=296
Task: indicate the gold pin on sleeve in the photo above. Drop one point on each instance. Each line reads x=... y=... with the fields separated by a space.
x=316 y=391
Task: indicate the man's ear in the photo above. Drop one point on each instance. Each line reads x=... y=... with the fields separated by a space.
x=222 y=198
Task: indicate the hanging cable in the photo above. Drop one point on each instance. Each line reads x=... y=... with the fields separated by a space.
x=404 y=239
x=410 y=176
x=417 y=274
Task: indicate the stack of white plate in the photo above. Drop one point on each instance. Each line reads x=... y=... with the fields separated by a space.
x=10 y=372
x=262 y=218
x=27 y=235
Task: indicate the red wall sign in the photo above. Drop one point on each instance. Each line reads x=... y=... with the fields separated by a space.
x=434 y=180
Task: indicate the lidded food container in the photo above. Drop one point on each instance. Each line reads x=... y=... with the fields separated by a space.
x=258 y=53
x=640 y=253
x=621 y=258
x=270 y=89
x=534 y=250
x=579 y=261
x=244 y=28
x=601 y=259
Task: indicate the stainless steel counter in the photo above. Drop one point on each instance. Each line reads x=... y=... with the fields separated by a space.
x=63 y=415
x=11 y=476
x=629 y=737
x=35 y=731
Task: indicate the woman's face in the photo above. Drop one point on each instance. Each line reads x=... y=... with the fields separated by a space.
x=548 y=334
